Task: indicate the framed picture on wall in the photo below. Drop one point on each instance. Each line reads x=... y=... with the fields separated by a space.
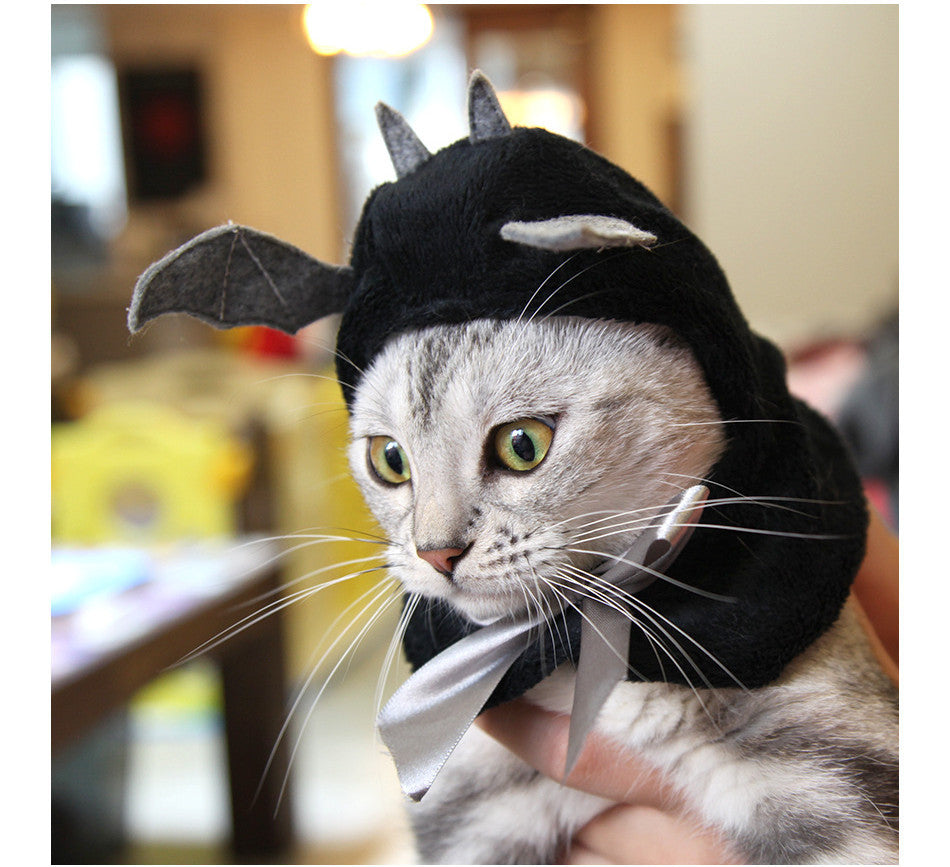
x=163 y=132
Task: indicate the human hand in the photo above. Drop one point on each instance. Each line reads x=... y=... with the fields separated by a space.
x=875 y=594
x=648 y=824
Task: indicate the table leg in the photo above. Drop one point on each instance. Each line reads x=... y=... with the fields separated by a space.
x=254 y=679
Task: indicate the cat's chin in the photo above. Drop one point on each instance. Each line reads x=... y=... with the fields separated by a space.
x=484 y=609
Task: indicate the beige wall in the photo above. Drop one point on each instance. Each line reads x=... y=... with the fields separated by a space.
x=792 y=159
x=269 y=111
x=635 y=91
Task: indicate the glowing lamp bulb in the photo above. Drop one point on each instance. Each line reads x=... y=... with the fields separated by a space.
x=367 y=28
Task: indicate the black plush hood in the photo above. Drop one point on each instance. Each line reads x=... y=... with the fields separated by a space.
x=437 y=247
x=429 y=250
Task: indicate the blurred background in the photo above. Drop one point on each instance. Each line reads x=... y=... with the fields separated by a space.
x=771 y=130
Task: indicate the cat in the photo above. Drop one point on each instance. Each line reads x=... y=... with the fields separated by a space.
x=539 y=358
x=803 y=770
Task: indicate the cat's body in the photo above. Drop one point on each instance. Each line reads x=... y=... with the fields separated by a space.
x=801 y=770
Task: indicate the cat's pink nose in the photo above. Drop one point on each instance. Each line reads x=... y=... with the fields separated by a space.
x=442 y=559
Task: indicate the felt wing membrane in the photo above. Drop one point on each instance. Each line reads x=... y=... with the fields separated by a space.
x=233 y=275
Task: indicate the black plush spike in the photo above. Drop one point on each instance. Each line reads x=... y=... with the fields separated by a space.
x=486 y=120
x=233 y=275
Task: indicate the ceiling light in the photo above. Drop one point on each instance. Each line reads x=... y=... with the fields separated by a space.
x=367 y=28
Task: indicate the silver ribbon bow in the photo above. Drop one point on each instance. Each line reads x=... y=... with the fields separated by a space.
x=427 y=716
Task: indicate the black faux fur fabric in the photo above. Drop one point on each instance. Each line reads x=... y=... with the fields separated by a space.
x=428 y=251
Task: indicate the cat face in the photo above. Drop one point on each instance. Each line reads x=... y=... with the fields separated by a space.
x=504 y=459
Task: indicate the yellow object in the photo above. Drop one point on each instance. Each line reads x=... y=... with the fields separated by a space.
x=143 y=473
x=186 y=695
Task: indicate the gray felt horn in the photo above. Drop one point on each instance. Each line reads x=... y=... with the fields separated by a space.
x=486 y=120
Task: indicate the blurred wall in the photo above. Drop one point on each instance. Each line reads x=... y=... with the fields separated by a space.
x=269 y=115
x=635 y=92
x=791 y=155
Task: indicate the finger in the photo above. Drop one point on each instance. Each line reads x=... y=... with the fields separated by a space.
x=644 y=835
x=880 y=653
x=603 y=768
x=579 y=854
x=876 y=584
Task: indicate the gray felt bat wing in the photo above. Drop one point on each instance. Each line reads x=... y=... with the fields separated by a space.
x=233 y=275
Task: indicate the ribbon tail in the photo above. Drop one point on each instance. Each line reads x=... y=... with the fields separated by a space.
x=426 y=717
x=605 y=630
x=605 y=646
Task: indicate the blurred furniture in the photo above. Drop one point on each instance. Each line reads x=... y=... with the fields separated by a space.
x=123 y=616
x=147 y=568
x=143 y=473
x=292 y=417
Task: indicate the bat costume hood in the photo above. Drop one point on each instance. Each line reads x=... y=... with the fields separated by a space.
x=472 y=232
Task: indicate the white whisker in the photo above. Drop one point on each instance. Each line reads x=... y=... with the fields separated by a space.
x=267 y=611
x=569 y=280
x=717 y=422
x=655 y=641
x=395 y=642
x=677 y=583
x=543 y=283
x=314 y=572
x=785 y=534
x=661 y=645
x=649 y=611
x=753 y=498
x=314 y=670
x=374 y=618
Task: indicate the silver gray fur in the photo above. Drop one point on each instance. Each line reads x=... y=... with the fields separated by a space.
x=802 y=771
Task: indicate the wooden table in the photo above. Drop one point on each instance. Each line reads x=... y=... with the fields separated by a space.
x=110 y=646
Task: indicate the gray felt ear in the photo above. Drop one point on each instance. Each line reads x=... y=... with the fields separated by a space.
x=486 y=120
x=577 y=232
x=405 y=149
x=233 y=275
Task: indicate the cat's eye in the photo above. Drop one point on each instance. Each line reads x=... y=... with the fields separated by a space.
x=388 y=460
x=521 y=445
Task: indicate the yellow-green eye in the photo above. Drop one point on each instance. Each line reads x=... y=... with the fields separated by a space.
x=521 y=445
x=388 y=460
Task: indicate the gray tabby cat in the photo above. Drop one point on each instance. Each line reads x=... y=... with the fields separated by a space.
x=509 y=458
x=503 y=460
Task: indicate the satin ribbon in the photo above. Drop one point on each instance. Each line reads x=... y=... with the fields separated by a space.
x=427 y=716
